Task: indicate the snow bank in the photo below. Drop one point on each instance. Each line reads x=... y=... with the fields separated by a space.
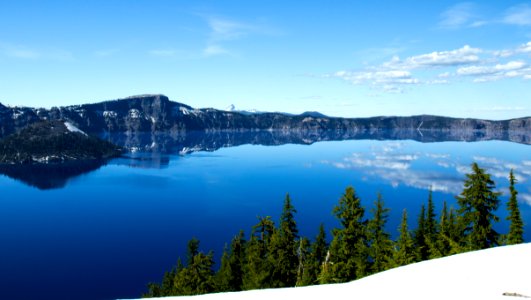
x=73 y=128
x=486 y=274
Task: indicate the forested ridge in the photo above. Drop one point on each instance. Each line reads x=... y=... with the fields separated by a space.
x=275 y=255
x=52 y=141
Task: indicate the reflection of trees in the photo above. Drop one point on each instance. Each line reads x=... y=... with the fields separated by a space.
x=150 y=150
x=186 y=142
x=49 y=176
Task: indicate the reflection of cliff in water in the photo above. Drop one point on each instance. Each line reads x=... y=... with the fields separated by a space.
x=152 y=150
x=183 y=143
x=49 y=176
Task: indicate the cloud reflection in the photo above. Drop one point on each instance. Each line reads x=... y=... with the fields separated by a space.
x=394 y=164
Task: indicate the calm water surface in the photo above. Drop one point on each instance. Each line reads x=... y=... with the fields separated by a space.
x=104 y=234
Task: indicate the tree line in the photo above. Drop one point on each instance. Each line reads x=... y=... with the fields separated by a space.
x=276 y=256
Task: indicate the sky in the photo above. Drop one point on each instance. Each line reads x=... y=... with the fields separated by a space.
x=341 y=58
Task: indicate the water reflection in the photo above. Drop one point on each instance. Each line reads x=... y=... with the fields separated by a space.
x=397 y=165
x=49 y=176
x=391 y=163
x=188 y=142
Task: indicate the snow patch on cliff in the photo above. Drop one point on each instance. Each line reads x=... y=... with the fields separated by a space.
x=73 y=128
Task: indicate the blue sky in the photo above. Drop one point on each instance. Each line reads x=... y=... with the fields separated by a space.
x=342 y=58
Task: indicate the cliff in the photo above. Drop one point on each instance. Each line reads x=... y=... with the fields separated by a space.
x=156 y=113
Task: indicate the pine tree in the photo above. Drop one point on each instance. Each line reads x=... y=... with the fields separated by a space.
x=431 y=225
x=230 y=273
x=431 y=229
x=442 y=245
x=257 y=268
x=381 y=246
x=404 y=247
x=348 y=256
x=516 y=228
x=202 y=273
x=420 y=236
x=223 y=274
x=283 y=249
x=305 y=262
x=198 y=275
x=315 y=259
x=192 y=250
x=477 y=204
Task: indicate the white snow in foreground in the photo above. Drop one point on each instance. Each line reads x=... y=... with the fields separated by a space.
x=73 y=128
x=485 y=275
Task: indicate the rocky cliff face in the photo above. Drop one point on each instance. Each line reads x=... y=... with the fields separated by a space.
x=154 y=113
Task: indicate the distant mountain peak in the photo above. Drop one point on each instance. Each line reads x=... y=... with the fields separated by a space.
x=314 y=114
x=145 y=96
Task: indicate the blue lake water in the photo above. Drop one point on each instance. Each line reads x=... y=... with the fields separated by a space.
x=106 y=233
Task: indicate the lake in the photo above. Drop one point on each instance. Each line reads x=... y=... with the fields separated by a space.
x=103 y=231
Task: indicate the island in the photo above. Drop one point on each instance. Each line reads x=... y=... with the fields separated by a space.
x=54 y=141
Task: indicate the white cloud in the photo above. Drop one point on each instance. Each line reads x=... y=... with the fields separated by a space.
x=24 y=52
x=393 y=74
x=223 y=29
x=485 y=70
x=212 y=50
x=525 y=48
x=480 y=64
x=387 y=78
x=511 y=69
x=18 y=51
x=522 y=49
x=458 y=16
x=518 y=15
x=437 y=81
x=461 y=56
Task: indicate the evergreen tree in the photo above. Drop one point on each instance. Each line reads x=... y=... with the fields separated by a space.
x=442 y=245
x=167 y=286
x=320 y=247
x=230 y=273
x=223 y=274
x=198 y=275
x=404 y=247
x=431 y=225
x=257 y=268
x=477 y=204
x=305 y=262
x=516 y=229
x=420 y=236
x=192 y=250
x=381 y=246
x=283 y=249
x=431 y=229
x=315 y=259
x=348 y=257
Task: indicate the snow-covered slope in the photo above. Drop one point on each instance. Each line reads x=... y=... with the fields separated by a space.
x=497 y=273
x=73 y=128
